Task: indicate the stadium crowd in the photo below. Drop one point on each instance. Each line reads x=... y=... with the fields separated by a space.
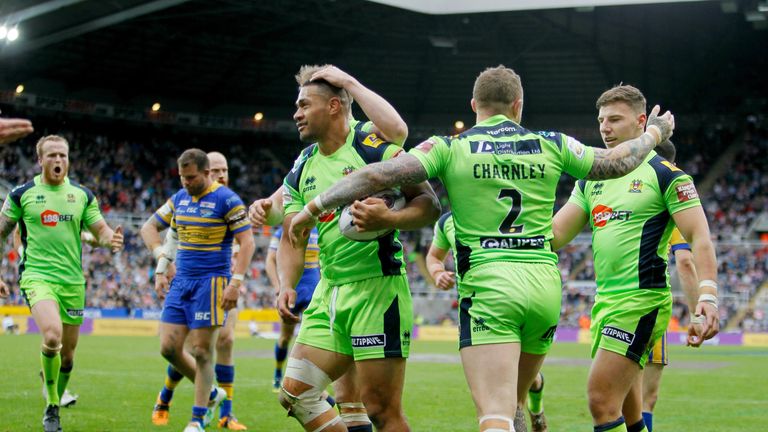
x=133 y=171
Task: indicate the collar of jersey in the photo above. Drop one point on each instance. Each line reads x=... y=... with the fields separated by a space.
x=214 y=185
x=348 y=142
x=493 y=120
x=39 y=182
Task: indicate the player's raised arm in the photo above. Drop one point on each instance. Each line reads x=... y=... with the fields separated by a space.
x=625 y=157
x=387 y=123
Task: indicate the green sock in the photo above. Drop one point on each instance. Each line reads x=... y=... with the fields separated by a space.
x=63 y=380
x=51 y=365
x=536 y=399
x=617 y=425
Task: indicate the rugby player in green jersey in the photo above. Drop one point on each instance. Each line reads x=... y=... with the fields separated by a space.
x=501 y=181
x=387 y=124
x=361 y=311
x=52 y=211
x=632 y=218
x=444 y=241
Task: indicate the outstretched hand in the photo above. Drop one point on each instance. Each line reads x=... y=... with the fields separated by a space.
x=665 y=122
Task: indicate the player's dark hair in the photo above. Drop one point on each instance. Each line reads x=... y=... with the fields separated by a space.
x=666 y=150
x=303 y=79
x=194 y=156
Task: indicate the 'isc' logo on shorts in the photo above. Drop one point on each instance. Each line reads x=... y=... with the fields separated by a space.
x=202 y=316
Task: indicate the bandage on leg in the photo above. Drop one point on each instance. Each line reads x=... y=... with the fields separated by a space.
x=496 y=423
x=308 y=406
x=353 y=412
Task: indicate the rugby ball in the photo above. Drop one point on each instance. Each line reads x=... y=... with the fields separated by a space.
x=394 y=200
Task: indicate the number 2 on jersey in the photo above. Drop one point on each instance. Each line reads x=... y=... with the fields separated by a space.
x=507 y=225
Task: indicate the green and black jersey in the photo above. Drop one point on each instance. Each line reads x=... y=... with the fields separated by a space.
x=50 y=220
x=501 y=180
x=631 y=223
x=343 y=260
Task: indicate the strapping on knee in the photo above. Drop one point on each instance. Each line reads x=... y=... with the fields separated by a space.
x=310 y=408
x=353 y=412
x=496 y=423
x=54 y=349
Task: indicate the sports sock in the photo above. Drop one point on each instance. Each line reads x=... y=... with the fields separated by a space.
x=535 y=399
x=637 y=427
x=63 y=380
x=198 y=413
x=51 y=364
x=280 y=356
x=617 y=425
x=172 y=379
x=225 y=376
x=648 y=419
x=331 y=401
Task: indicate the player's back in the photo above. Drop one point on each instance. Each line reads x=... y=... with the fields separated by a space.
x=501 y=180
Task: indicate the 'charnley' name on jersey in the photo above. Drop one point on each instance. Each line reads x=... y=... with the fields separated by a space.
x=501 y=180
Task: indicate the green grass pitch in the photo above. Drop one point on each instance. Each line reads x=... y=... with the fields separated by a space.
x=709 y=389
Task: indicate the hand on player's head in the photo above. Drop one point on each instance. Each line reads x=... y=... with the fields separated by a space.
x=332 y=75
x=665 y=122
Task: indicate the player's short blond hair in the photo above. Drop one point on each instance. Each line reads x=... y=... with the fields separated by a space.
x=497 y=88
x=45 y=139
x=628 y=94
x=303 y=79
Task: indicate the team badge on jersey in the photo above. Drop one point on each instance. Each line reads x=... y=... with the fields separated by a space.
x=373 y=141
x=636 y=186
x=70 y=198
x=348 y=170
x=597 y=189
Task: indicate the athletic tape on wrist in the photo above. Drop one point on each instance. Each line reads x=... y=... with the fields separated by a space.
x=709 y=283
x=238 y=277
x=158 y=252
x=708 y=298
x=162 y=265
x=697 y=319
x=658 y=138
x=319 y=204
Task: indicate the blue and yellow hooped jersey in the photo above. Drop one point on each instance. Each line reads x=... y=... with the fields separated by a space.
x=311 y=255
x=206 y=225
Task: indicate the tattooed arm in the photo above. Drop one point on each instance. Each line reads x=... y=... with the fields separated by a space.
x=6 y=228
x=625 y=157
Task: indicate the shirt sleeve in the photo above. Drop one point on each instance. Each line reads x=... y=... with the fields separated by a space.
x=92 y=213
x=11 y=210
x=577 y=158
x=164 y=214
x=578 y=196
x=677 y=241
x=236 y=215
x=681 y=194
x=439 y=239
x=434 y=155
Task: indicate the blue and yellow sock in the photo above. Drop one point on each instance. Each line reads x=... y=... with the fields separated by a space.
x=648 y=419
x=535 y=398
x=280 y=355
x=64 y=374
x=637 y=427
x=198 y=414
x=172 y=379
x=51 y=364
x=225 y=376
x=617 y=425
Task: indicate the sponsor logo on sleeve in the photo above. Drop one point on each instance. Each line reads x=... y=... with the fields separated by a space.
x=686 y=192
x=670 y=165
x=75 y=313
x=576 y=148
x=373 y=140
x=618 y=334
x=369 y=341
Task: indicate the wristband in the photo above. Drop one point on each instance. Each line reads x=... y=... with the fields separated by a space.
x=309 y=213
x=158 y=252
x=162 y=265
x=656 y=136
x=238 y=277
x=319 y=205
x=709 y=283
x=708 y=298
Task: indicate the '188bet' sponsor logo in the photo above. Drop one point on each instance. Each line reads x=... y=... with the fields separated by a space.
x=602 y=214
x=51 y=218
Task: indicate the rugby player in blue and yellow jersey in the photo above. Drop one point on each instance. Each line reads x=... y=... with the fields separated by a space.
x=52 y=212
x=501 y=180
x=632 y=218
x=207 y=217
